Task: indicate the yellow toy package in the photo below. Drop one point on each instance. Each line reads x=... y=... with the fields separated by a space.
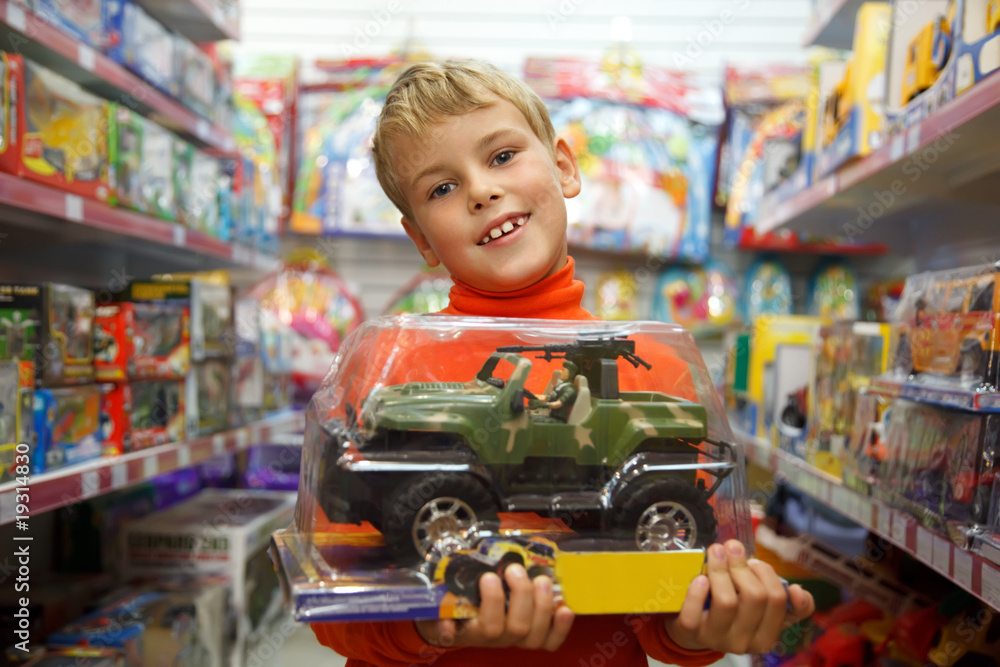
x=55 y=132
x=853 y=109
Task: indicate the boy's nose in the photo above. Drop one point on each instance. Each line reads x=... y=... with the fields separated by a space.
x=483 y=194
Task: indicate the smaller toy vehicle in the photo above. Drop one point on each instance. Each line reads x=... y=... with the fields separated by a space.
x=926 y=56
x=461 y=571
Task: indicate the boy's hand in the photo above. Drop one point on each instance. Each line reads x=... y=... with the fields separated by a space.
x=749 y=608
x=531 y=619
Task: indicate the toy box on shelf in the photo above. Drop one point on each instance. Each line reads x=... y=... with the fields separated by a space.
x=17 y=394
x=116 y=417
x=197 y=82
x=704 y=300
x=847 y=356
x=261 y=194
x=56 y=133
x=853 y=109
x=610 y=457
x=220 y=532
x=937 y=49
x=114 y=342
x=142 y=44
x=861 y=465
x=948 y=340
x=940 y=466
x=74 y=657
x=209 y=398
x=55 y=323
x=67 y=426
x=143 y=155
x=158 y=412
x=162 y=336
x=83 y=19
x=781 y=350
x=645 y=140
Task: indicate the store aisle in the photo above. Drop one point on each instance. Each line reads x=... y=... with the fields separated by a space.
x=303 y=649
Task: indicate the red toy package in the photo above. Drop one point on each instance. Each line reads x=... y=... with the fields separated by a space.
x=162 y=328
x=116 y=418
x=114 y=349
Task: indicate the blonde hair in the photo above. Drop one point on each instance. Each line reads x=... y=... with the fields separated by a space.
x=427 y=92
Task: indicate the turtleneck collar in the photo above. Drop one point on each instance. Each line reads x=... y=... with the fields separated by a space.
x=557 y=297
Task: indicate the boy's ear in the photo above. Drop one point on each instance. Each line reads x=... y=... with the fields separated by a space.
x=420 y=241
x=569 y=172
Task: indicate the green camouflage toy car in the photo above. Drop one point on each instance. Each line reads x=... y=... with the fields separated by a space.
x=427 y=461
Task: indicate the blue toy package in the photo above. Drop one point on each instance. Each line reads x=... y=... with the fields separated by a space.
x=273 y=467
x=83 y=19
x=768 y=290
x=834 y=292
x=139 y=42
x=67 y=425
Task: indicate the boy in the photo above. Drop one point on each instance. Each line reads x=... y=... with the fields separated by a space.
x=469 y=156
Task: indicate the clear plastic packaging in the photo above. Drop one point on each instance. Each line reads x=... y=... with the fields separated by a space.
x=947 y=347
x=440 y=448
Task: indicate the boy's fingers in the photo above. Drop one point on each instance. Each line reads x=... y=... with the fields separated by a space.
x=752 y=596
x=541 y=622
x=521 y=604
x=492 y=614
x=773 y=618
x=562 y=623
x=693 y=610
x=803 y=605
x=724 y=599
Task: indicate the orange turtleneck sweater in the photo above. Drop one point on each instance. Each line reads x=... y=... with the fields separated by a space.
x=608 y=641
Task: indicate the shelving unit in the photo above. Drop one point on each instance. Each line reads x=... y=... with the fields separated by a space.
x=943 y=168
x=968 y=570
x=72 y=484
x=27 y=33
x=833 y=24
x=198 y=20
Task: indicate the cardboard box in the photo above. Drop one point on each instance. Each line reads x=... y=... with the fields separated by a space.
x=162 y=328
x=67 y=423
x=158 y=413
x=83 y=19
x=223 y=532
x=209 y=398
x=114 y=344
x=142 y=44
x=143 y=155
x=116 y=417
x=17 y=423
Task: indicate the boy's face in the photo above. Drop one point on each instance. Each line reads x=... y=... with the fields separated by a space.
x=487 y=198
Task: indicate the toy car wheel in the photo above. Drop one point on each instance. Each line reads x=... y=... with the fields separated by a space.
x=427 y=514
x=665 y=514
x=461 y=577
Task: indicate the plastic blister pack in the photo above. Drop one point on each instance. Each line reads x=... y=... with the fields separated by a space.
x=441 y=448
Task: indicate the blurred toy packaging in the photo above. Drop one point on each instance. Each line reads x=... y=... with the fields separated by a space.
x=645 y=140
x=83 y=19
x=947 y=339
x=427 y=292
x=67 y=426
x=77 y=657
x=259 y=223
x=116 y=417
x=768 y=290
x=202 y=213
x=158 y=412
x=17 y=395
x=611 y=459
x=306 y=311
x=273 y=467
x=209 y=397
x=704 y=300
x=854 y=109
x=57 y=133
x=197 y=77
x=834 y=293
x=114 y=342
x=139 y=42
x=617 y=296
x=143 y=155
x=162 y=336
x=861 y=465
x=218 y=532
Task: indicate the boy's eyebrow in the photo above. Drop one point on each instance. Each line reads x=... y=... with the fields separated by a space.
x=480 y=145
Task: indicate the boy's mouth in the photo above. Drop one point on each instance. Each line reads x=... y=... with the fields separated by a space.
x=506 y=227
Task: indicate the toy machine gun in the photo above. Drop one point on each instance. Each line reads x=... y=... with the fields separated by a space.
x=594 y=357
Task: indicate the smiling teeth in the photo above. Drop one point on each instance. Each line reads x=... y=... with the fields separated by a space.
x=505 y=228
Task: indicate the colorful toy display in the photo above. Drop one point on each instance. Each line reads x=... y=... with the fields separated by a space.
x=158 y=413
x=67 y=426
x=306 y=311
x=646 y=152
x=143 y=155
x=83 y=19
x=116 y=417
x=209 y=398
x=854 y=108
x=427 y=292
x=834 y=293
x=616 y=295
x=162 y=336
x=56 y=132
x=17 y=383
x=701 y=299
x=141 y=43
x=583 y=417
x=768 y=290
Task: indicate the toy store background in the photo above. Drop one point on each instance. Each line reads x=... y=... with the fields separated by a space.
x=190 y=226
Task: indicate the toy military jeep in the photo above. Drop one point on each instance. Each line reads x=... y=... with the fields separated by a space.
x=426 y=462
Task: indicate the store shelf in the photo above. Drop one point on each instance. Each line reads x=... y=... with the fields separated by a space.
x=198 y=20
x=69 y=485
x=968 y=570
x=942 y=169
x=832 y=24
x=27 y=33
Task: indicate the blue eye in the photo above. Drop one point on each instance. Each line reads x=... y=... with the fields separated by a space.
x=503 y=157
x=442 y=190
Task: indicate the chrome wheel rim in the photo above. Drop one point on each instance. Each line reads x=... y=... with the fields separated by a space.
x=666 y=526
x=442 y=524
